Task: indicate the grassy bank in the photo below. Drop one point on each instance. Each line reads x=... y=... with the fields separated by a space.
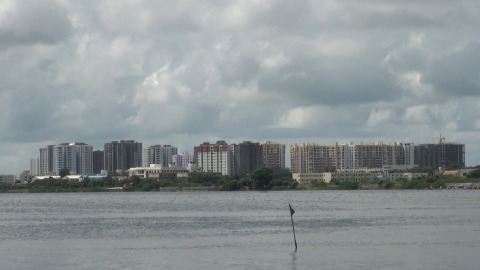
x=263 y=180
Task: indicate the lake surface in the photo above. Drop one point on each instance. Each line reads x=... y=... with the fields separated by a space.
x=241 y=230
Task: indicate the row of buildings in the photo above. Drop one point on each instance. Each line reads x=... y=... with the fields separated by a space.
x=118 y=157
x=315 y=158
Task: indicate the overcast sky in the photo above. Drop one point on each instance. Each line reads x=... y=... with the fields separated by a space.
x=185 y=72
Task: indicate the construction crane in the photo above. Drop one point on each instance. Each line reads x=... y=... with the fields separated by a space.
x=439 y=138
x=441 y=153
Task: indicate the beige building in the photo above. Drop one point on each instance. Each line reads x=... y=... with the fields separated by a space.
x=312 y=158
x=307 y=178
x=315 y=158
x=273 y=154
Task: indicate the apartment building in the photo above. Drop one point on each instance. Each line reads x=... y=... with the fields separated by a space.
x=214 y=158
x=315 y=158
x=76 y=157
x=98 y=161
x=273 y=154
x=122 y=155
x=246 y=157
x=312 y=158
x=441 y=155
x=45 y=160
x=183 y=159
x=159 y=154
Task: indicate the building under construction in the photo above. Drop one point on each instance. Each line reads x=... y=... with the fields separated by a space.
x=442 y=155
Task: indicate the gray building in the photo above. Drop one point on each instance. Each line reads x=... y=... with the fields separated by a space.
x=444 y=155
x=246 y=156
x=98 y=161
x=121 y=156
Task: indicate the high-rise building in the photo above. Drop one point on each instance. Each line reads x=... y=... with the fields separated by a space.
x=273 y=154
x=123 y=155
x=214 y=157
x=246 y=157
x=168 y=153
x=98 y=161
x=158 y=154
x=45 y=161
x=379 y=154
x=76 y=157
x=409 y=154
x=442 y=155
x=346 y=156
x=34 y=166
x=310 y=158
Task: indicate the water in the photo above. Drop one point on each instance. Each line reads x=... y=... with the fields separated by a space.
x=241 y=230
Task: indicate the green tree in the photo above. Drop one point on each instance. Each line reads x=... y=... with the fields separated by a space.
x=262 y=178
x=474 y=174
x=64 y=172
x=348 y=185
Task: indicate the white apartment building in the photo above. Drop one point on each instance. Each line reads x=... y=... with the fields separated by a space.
x=346 y=156
x=159 y=154
x=214 y=158
x=76 y=157
x=35 y=166
x=45 y=160
x=409 y=156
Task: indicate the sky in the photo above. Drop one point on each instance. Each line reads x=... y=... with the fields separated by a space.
x=187 y=71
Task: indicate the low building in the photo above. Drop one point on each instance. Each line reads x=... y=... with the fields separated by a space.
x=159 y=171
x=307 y=178
x=7 y=179
x=43 y=177
x=353 y=175
x=460 y=172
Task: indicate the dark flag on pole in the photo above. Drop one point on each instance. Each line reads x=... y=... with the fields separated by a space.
x=291 y=210
x=293 y=227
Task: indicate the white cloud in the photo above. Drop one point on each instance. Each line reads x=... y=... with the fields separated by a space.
x=296 y=118
x=378 y=117
x=417 y=114
x=412 y=82
x=416 y=40
x=275 y=62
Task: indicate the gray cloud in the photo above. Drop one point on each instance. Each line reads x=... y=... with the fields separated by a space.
x=185 y=72
x=27 y=22
x=458 y=74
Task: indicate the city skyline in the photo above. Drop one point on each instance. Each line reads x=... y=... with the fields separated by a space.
x=185 y=72
x=243 y=157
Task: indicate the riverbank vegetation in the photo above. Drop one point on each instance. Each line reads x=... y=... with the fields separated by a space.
x=261 y=179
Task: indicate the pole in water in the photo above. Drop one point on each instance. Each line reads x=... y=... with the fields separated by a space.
x=293 y=227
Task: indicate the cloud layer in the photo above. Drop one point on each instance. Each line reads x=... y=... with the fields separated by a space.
x=185 y=72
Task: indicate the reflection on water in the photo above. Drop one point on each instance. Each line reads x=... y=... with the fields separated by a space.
x=294 y=260
x=241 y=230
